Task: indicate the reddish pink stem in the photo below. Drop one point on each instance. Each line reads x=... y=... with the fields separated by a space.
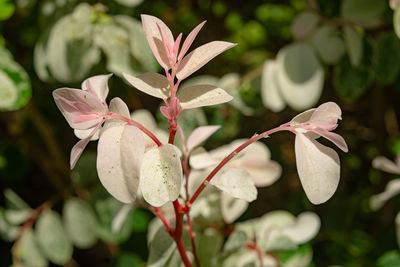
x=231 y=155
x=164 y=221
x=136 y=124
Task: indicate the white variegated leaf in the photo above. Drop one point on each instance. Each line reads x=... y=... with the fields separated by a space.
x=201 y=56
x=119 y=153
x=200 y=134
x=232 y=208
x=236 y=183
x=318 y=167
x=202 y=95
x=304 y=229
x=161 y=175
x=151 y=83
x=270 y=91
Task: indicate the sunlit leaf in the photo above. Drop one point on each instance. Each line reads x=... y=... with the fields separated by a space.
x=161 y=175
x=202 y=95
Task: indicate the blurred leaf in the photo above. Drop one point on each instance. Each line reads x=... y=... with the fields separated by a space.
x=304 y=24
x=27 y=251
x=13 y=201
x=6 y=9
x=114 y=41
x=396 y=21
x=140 y=220
x=254 y=33
x=17 y=217
x=69 y=51
x=129 y=3
x=160 y=249
x=80 y=223
x=274 y=12
x=363 y=12
x=387 y=58
x=351 y=82
x=8 y=232
x=328 y=44
x=233 y=21
x=128 y=259
x=138 y=43
x=106 y=210
x=301 y=257
x=208 y=244
x=236 y=240
x=85 y=173
x=354 y=45
x=300 y=76
x=389 y=259
x=52 y=238
x=15 y=86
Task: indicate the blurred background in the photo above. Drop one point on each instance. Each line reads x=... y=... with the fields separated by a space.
x=317 y=51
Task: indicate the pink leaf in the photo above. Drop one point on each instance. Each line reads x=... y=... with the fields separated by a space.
x=151 y=83
x=189 y=40
x=176 y=45
x=99 y=84
x=78 y=148
x=334 y=138
x=165 y=111
x=326 y=114
x=201 y=56
x=81 y=109
x=199 y=135
x=154 y=38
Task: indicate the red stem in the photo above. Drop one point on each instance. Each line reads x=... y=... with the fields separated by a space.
x=191 y=235
x=231 y=155
x=136 y=124
x=177 y=233
x=162 y=218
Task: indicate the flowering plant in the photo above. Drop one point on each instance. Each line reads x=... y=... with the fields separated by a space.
x=133 y=163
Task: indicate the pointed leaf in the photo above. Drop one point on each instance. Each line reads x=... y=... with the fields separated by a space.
x=150 y=26
x=334 y=138
x=201 y=56
x=318 y=167
x=354 y=45
x=119 y=153
x=189 y=40
x=199 y=135
x=236 y=183
x=202 y=95
x=386 y=165
x=80 y=108
x=151 y=83
x=99 y=84
x=78 y=148
x=52 y=238
x=161 y=175
x=270 y=91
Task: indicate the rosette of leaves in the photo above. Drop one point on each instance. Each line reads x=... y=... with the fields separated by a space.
x=15 y=85
x=75 y=44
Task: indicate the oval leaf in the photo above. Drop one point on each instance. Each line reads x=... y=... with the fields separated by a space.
x=52 y=238
x=300 y=76
x=201 y=56
x=151 y=83
x=119 y=154
x=270 y=91
x=80 y=223
x=161 y=175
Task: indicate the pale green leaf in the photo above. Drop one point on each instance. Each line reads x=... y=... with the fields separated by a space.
x=328 y=44
x=80 y=223
x=354 y=45
x=28 y=252
x=52 y=238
